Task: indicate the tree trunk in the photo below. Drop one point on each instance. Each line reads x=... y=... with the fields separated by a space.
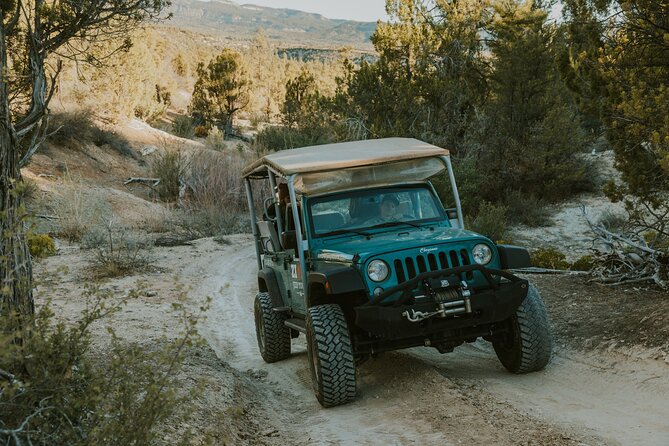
x=228 y=125
x=16 y=297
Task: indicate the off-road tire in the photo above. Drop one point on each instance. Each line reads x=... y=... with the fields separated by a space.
x=528 y=345
x=330 y=355
x=273 y=336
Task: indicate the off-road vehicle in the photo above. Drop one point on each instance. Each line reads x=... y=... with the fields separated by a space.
x=355 y=250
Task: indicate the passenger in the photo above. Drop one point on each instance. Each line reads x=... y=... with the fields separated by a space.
x=389 y=206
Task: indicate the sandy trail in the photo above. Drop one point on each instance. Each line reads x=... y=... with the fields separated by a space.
x=418 y=396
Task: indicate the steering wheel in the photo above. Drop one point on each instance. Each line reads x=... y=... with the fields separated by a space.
x=265 y=206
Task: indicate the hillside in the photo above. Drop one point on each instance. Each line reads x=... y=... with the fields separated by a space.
x=298 y=28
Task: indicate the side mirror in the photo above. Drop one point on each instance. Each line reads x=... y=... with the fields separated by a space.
x=289 y=240
x=452 y=215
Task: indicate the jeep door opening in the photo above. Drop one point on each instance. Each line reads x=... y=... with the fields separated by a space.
x=355 y=250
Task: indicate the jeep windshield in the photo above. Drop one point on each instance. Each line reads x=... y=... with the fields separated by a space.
x=360 y=210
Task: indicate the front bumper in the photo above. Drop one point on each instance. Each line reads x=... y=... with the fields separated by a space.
x=486 y=305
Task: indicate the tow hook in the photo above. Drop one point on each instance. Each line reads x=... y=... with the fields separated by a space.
x=450 y=302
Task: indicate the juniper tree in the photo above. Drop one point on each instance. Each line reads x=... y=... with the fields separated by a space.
x=221 y=90
x=34 y=36
x=619 y=67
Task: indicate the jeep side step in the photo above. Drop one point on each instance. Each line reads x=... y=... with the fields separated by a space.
x=296 y=324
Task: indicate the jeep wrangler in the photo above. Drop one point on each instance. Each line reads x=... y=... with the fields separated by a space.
x=355 y=250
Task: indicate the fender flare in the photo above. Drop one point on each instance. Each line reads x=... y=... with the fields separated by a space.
x=337 y=279
x=513 y=257
x=267 y=282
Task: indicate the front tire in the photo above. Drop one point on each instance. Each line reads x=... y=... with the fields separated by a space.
x=528 y=345
x=273 y=336
x=330 y=355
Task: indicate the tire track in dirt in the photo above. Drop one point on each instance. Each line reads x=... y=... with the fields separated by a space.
x=418 y=396
x=286 y=386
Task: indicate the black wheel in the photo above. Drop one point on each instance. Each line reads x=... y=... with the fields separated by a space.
x=330 y=355
x=273 y=335
x=528 y=345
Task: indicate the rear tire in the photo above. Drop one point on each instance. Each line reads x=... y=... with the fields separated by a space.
x=273 y=336
x=528 y=345
x=330 y=355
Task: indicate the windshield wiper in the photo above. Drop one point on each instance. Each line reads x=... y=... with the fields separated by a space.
x=393 y=223
x=345 y=231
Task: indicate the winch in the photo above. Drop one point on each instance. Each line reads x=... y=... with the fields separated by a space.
x=451 y=300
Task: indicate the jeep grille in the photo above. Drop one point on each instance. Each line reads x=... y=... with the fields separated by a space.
x=410 y=267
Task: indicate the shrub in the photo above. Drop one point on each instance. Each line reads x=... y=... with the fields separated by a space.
x=201 y=131
x=117 y=252
x=28 y=190
x=550 y=258
x=490 y=221
x=116 y=141
x=612 y=221
x=216 y=221
x=584 y=263
x=77 y=208
x=170 y=166
x=257 y=118
x=526 y=209
x=214 y=180
x=183 y=127
x=274 y=138
x=77 y=125
x=122 y=398
x=215 y=140
x=40 y=245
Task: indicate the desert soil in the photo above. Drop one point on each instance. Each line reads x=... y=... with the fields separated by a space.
x=606 y=385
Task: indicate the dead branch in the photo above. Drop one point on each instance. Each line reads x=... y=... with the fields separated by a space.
x=145 y=181
x=536 y=270
x=626 y=258
x=14 y=433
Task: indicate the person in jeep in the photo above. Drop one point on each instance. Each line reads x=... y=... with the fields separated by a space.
x=389 y=206
x=373 y=262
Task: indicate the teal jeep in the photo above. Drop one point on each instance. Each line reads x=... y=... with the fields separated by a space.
x=355 y=249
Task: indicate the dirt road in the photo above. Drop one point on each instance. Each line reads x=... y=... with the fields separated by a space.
x=418 y=396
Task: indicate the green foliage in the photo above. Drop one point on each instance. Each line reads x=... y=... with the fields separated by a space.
x=221 y=90
x=183 y=127
x=584 y=263
x=301 y=100
x=215 y=140
x=529 y=136
x=40 y=245
x=273 y=138
x=526 y=209
x=52 y=391
x=430 y=74
x=170 y=166
x=618 y=70
x=490 y=221
x=550 y=258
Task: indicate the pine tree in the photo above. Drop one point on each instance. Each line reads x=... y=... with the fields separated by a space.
x=221 y=90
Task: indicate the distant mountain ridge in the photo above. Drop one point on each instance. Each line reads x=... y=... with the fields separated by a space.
x=240 y=22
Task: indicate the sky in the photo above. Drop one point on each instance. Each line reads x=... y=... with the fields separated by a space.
x=362 y=10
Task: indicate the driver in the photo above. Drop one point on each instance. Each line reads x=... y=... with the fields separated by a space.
x=389 y=206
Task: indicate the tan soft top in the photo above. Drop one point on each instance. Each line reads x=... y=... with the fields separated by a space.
x=344 y=155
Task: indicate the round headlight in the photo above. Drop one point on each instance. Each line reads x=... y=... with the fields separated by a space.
x=482 y=254
x=377 y=270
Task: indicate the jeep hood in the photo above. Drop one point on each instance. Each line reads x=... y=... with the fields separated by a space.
x=399 y=239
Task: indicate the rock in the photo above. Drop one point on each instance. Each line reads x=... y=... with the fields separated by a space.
x=148 y=150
